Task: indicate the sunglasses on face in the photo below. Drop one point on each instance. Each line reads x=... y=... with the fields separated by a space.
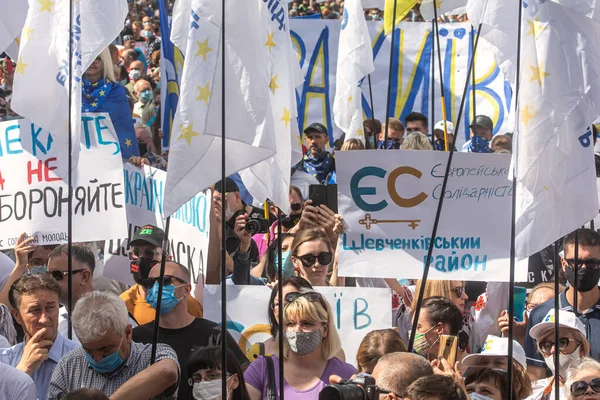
x=59 y=275
x=590 y=263
x=308 y=260
x=459 y=291
x=313 y=297
x=296 y=206
x=563 y=343
x=580 y=387
x=167 y=281
x=148 y=253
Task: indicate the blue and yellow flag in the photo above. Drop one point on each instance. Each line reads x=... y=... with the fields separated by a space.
x=169 y=93
x=402 y=9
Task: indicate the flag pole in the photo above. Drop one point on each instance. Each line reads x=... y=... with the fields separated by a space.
x=438 y=213
x=443 y=97
x=432 y=117
x=511 y=290
x=281 y=299
x=163 y=263
x=372 y=110
x=223 y=214
x=576 y=267
x=556 y=317
x=473 y=83
x=70 y=183
x=389 y=90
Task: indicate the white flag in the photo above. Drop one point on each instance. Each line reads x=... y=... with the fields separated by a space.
x=499 y=19
x=451 y=7
x=251 y=81
x=41 y=83
x=355 y=61
x=181 y=23
x=559 y=99
x=12 y=20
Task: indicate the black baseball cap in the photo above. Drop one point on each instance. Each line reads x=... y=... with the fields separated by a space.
x=230 y=186
x=149 y=234
x=483 y=121
x=316 y=127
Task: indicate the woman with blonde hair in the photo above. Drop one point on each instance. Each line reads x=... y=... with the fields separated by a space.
x=313 y=256
x=375 y=345
x=309 y=348
x=416 y=141
x=583 y=381
x=352 y=144
x=100 y=93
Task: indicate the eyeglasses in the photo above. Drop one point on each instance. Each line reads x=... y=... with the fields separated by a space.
x=148 y=253
x=580 y=387
x=167 y=281
x=459 y=291
x=590 y=263
x=563 y=343
x=97 y=60
x=296 y=206
x=59 y=275
x=308 y=260
x=313 y=297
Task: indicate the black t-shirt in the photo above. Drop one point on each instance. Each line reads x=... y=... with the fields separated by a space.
x=201 y=332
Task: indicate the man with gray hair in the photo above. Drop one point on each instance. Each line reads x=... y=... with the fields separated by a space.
x=148 y=151
x=395 y=372
x=119 y=367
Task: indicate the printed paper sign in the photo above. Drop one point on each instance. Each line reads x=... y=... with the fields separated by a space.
x=357 y=311
x=34 y=198
x=389 y=201
x=188 y=231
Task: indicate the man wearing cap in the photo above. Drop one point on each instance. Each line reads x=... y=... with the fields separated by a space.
x=439 y=142
x=145 y=252
x=416 y=122
x=481 y=135
x=588 y=297
x=494 y=354
x=395 y=132
x=317 y=162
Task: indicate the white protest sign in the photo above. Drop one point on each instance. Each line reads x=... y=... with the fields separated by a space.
x=188 y=232
x=357 y=311
x=33 y=197
x=389 y=200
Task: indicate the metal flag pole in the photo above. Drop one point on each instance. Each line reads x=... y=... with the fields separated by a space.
x=439 y=51
x=223 y=214
x=439 y=212
x=281 y=302
x=473 y=82
x=70 y=182
x=389 y=90
x=556 y=318
x=432 y=117
x=372 y=112
x=163 y=263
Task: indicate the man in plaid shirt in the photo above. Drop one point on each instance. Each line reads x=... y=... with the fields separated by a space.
x=109 y=360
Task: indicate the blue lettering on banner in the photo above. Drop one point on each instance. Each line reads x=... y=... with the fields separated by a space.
x=275 y=7
x=421 y=243
x=586 y=138
x=362 y=313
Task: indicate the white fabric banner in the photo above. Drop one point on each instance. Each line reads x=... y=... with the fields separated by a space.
x=389 y=202
x=188 y=232
x=34 y=199
x=356 y=311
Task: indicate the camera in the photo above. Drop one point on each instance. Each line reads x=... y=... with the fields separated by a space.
x=256 y=224
x=362 y=387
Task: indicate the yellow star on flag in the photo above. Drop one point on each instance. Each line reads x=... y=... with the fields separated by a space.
x=94 y=104
x=527 y=115
x=300 y=140
x=128 y=142
x=270 y=42
x=546 y=188
x=360 y=132
x=26 y=32
x=273 y=84
x=95 y=84
x=535 y=27
x=102 y=93
x=21 y=67
x=537 y=74
x=18 y=41
x=349 y=99
x=46 y=5
x=286 y=117
x=187 y=133
x=439 y=4
x=203 y=93
x=203 y=49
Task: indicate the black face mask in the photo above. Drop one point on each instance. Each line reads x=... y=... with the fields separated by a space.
x=140 y=269
x=143 y=148
x=587 y=279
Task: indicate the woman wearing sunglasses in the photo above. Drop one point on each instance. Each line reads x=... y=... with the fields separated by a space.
x=583 y=382
x=310 y=344
x=313 y=255
x=478 y=320
x=572 y=346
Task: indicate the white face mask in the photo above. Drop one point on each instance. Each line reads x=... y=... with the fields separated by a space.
x=477 y=396
x=565 y=360
x=207 y=390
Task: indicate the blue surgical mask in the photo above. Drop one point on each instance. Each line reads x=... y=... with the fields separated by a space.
x=158 y=85
x=371 y=141
x=481 y=145
x=37 y=269
x=169 y=301
x=286 y=263
x=109 y=363
x=146 y=96
x=391 y=145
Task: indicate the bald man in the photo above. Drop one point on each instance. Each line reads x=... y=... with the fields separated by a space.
x=143 y=92
x=395 y=372
x=136 y=72
x=178 y=328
